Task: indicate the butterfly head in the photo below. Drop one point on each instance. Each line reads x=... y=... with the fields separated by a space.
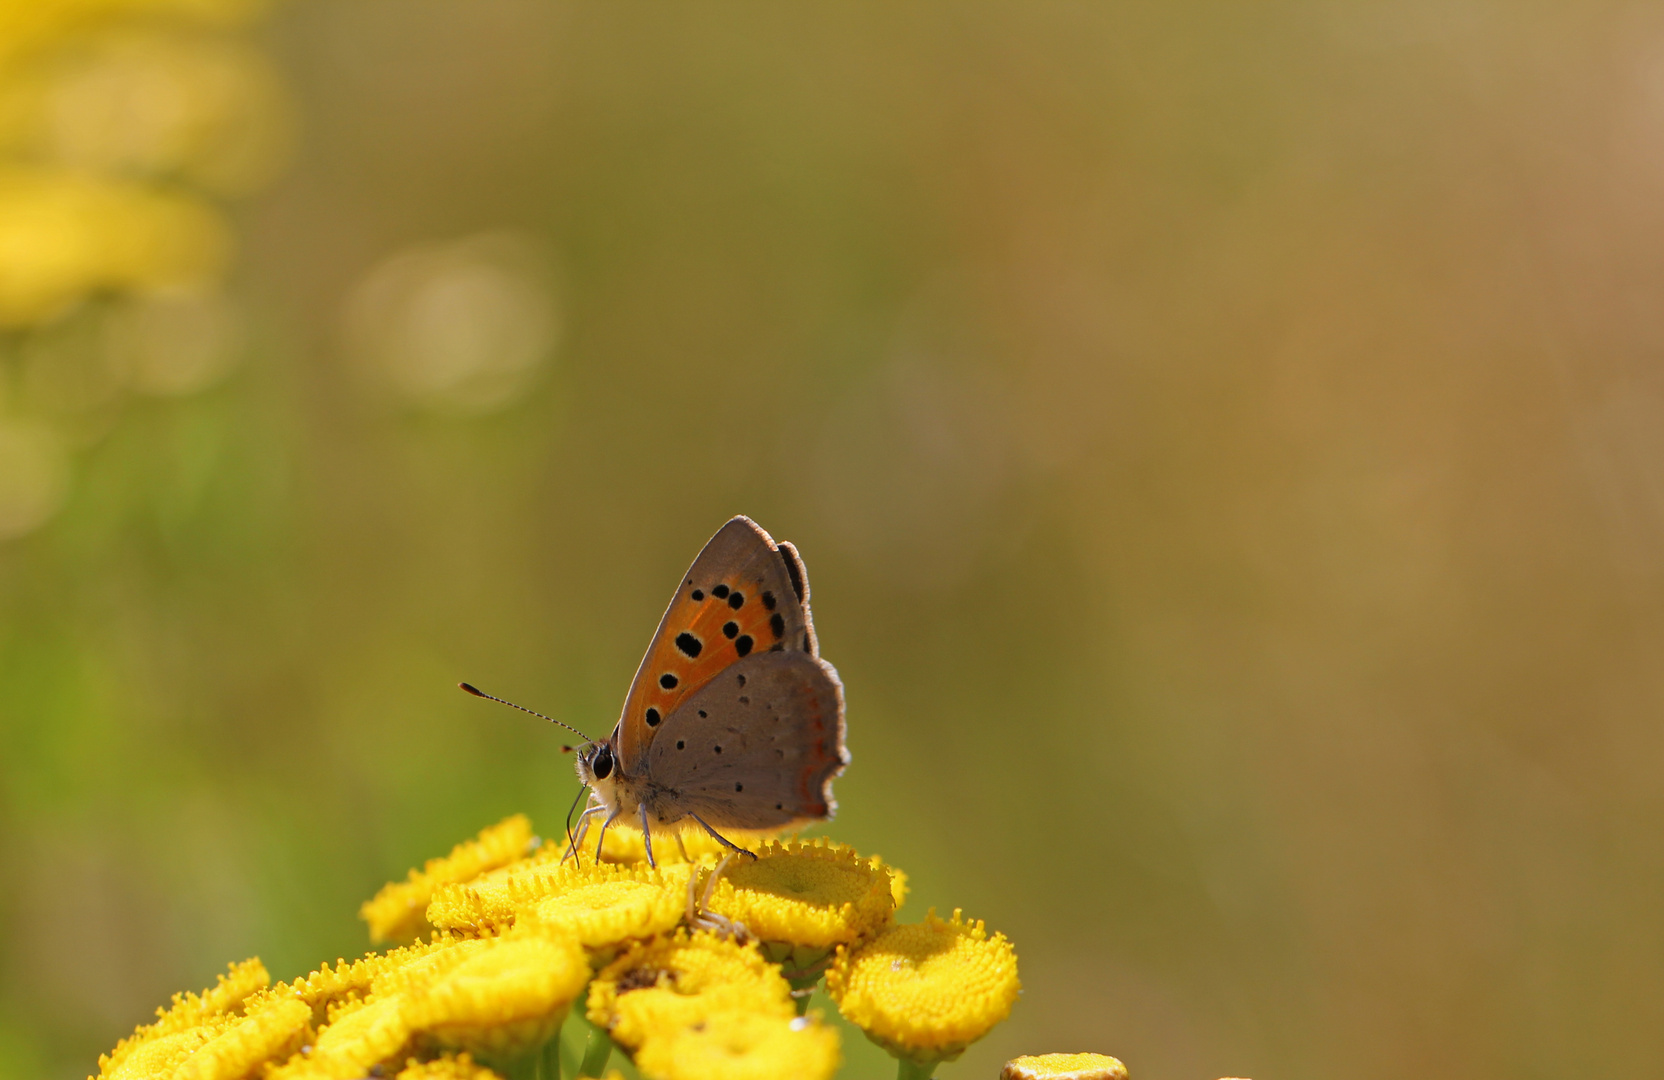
x=597 y=766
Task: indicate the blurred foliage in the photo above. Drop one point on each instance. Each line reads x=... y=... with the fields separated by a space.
x=1225 y=441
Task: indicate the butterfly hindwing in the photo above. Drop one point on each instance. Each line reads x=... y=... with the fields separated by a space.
x=757 y=747
x=744 y=595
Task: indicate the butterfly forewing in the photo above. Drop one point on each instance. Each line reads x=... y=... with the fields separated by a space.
x=742 y=596
x=757 y=747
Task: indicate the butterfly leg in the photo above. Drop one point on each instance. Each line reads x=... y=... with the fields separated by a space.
x=647 y=835
x=723 y=840
x=610 y=819
x=577 y=838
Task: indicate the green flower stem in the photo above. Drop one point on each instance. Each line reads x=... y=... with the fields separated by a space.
x=549 y=1068
x=596 y=1053
x=912 y=1070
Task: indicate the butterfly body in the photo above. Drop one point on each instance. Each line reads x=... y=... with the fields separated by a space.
x=733 y=719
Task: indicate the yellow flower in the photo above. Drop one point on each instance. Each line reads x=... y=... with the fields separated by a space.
x=927 y=990
x=602 y=904
x=1064 y=1067
x=398 y=911
x=65 y=235
x=810 y=894
x=157 y=1057
x=743 y=1046
x=447 y=1067
x=269 y=1033
x=359 y=1036
x=502 y=997
x=604 y=913
x=188 y=1012
x=677 y=982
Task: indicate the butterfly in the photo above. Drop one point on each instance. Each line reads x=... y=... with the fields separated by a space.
x=733 y=721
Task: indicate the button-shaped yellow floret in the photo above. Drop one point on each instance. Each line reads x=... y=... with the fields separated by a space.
x=925 y=991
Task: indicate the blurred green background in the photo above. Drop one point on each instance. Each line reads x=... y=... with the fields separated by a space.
x=1227 y=442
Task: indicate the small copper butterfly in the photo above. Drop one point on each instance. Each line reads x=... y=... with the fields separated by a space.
x=733 y=720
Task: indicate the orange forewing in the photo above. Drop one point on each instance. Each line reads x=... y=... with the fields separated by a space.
x=703 y=631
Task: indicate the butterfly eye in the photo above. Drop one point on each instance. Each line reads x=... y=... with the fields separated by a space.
x=602 y=765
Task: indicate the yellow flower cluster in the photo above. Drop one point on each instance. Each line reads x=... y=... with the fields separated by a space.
x=515 y=934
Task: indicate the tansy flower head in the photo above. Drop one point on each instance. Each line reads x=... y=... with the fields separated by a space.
x=502 y=997
x=360 y=1036
x=606 y=912
x=925 y=991
x=676 y=982
x=329 y=986
x=190 y=1011
x=743 y=1046
x=156 y=1057
x=270 y=1032
x=398 y=911
x=603 y=905
x=811 y=894
x=1064 y=1067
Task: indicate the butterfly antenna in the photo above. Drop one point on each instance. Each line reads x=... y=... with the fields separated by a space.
x=490 y=697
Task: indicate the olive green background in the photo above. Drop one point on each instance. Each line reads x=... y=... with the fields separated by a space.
x=1226 y=440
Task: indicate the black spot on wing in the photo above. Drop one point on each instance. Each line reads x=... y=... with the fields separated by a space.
x=730 y=629
x=736 y=600
x=652 y=717
x=743 y=645
x=680 y=745
x=719 y=591
x=690 y=645
x=668 y=681
x=697 y=594
x=777 y=623
x=794 y=570
x=768 y=600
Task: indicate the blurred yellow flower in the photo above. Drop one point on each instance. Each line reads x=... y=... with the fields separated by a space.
x=676 y=982
x=1064 y=1067
x=743 y=1046
x=504 y=997
x=399 y=911
x=65 y=235
x=925 y=991
x=141 y=104
x=814 y=894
